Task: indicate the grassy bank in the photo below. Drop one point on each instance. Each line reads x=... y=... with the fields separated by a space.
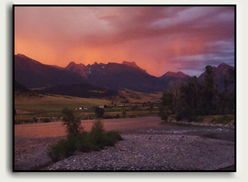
x=227 y=120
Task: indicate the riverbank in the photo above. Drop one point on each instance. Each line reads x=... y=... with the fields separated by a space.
x=144 y=152
x=143 y=137
x=206 y=121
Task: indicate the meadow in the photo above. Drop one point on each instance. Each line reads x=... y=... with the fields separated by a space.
x=50 y=106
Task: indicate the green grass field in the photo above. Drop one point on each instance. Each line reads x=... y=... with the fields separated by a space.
x=50 y=106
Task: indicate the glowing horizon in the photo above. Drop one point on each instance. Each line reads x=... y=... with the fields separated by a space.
x=158 y=38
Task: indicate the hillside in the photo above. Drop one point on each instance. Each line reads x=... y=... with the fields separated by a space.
x=20 y=89
x=171 y=78
x=81 y=90
x=127 y=75
x=120 y=77
x=33 y=74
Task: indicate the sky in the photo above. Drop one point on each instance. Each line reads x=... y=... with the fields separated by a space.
x=158 y=38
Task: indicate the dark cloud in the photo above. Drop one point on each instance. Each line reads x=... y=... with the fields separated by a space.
x=159 y=38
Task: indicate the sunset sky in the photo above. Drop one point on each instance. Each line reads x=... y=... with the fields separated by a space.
x=157 y=38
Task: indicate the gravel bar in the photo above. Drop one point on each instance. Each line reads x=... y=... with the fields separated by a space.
x=147 y=152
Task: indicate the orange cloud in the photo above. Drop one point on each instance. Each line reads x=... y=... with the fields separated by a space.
x=159 y=39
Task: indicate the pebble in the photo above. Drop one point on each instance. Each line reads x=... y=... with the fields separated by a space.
x=163 y=152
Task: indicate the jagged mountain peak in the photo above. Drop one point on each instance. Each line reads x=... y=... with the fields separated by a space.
x=129 y=63
x=73 y=64
x=133 y=64
x=77 y=68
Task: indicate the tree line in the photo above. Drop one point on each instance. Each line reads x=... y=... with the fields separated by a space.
x=193 y=98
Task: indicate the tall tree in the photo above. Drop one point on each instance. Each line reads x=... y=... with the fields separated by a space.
x=73 y=124
x=209 y=95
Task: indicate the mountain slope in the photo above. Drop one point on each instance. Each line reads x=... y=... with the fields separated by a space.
x=81 y=69
x=81 y=90
x=178 y=74
x=120 y=77
x=33 y=74
x=20 y=89
x=134 y=65
x=171 y=78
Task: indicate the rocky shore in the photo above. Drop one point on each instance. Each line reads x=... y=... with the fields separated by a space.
x=154 y=152
x=206 y=123
x=166 y=147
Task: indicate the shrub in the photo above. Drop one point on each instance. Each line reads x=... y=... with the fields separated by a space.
x=62 y=149
x=107 y=116
x=45 y=120
x=97 y=127
x=99 y=112
x=223 y=119
x=125 y=101
x=114 y=135
x=151 y=107
x=73 y=124
x=106 y=139
x=85 y=144
x=164 y=113
x=95 y=140
x=35 y=119
x=179 y=116
x=124 y=113
x=96 y=132
x=134 y=108
x=199 y=119
x=189 y=115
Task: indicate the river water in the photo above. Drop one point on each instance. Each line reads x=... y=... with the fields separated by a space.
x=146 y=125
x=203 y=131
x=152 y=125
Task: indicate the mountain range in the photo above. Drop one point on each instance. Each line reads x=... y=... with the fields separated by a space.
x=101 y=77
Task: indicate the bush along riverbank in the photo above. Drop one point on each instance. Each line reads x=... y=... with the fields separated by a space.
x=225 y=121
x=79 y=140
